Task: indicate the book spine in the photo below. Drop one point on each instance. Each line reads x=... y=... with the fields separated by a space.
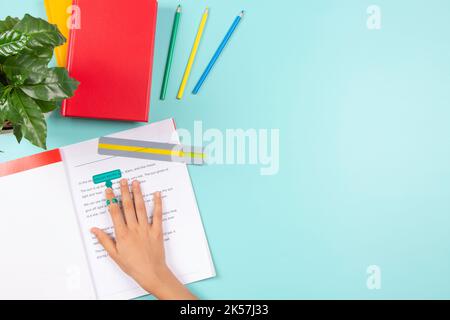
x=71 y=44
x=48 y=10
x=150 y=71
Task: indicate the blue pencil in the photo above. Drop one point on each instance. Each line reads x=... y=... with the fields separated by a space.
x=218 y=52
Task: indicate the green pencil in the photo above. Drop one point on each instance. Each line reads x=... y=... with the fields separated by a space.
x=176 y=22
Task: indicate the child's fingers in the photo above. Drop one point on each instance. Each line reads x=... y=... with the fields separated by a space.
x=157 y=213
x=116 y=214
x=141 y=211
x=105 y=241
x=127 y=202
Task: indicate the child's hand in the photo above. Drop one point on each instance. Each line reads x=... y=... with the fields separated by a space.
x=138 y=247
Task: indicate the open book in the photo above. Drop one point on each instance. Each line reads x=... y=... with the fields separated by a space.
x=50 y=203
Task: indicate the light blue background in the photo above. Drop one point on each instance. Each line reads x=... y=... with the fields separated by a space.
x=365 y=144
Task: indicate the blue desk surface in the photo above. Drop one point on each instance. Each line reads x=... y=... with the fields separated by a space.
x=363 y=116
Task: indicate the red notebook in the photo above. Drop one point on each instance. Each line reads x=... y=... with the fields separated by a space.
x=111 y=55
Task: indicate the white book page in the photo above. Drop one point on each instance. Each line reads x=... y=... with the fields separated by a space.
x=42 y=253
x=187 y=251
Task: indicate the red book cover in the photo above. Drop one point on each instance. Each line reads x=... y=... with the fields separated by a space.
x=111 y=54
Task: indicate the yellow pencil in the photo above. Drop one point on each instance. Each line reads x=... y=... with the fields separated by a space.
x=187 y=72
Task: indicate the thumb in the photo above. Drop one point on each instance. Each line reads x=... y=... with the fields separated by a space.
x=105 y=241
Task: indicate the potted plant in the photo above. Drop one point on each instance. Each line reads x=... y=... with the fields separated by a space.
x=28 y=87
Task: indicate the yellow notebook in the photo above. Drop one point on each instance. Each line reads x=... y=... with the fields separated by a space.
x=58 y=12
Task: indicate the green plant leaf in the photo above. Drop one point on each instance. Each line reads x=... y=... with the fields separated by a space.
x=7 y=112
x=3 y=111
x=34 y=127
x=12 y=42
x=8 y=24
x=3 y=102
x=23 y=68
x=11 y=114
x=47 y=106
x=2 y=89
x=40 y=32
x=17 y=131
x=56 y=86
x=43 y=53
